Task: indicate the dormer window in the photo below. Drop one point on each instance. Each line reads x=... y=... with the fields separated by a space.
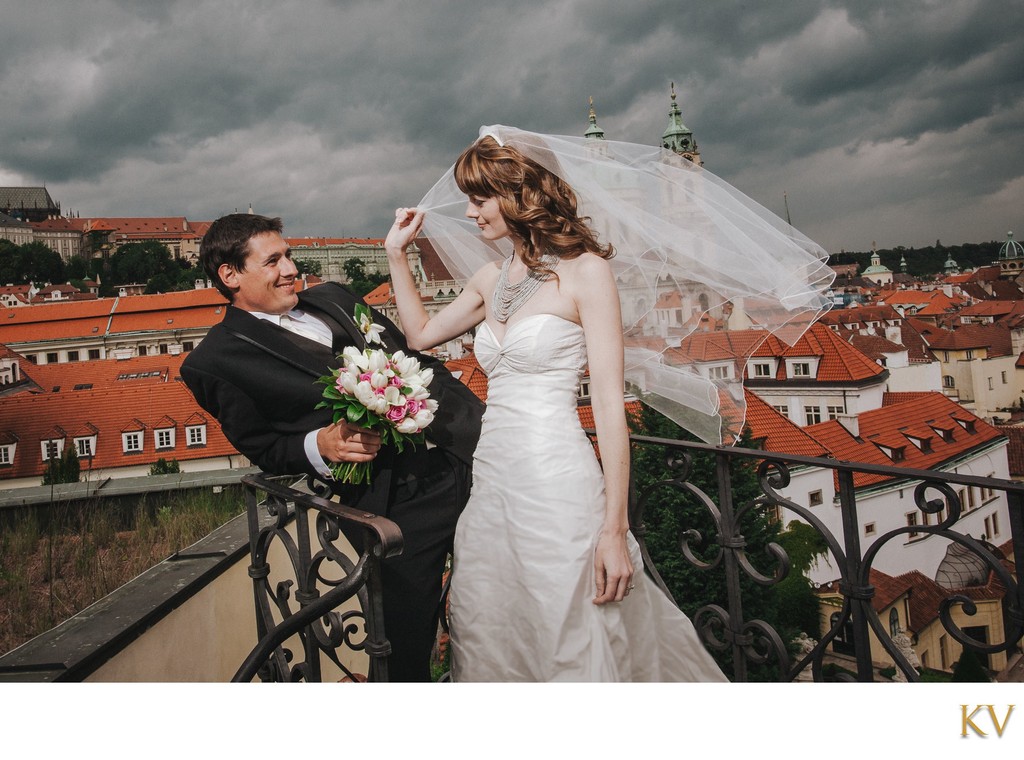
x=720 y=372
x=7 y=454
x=195 y=435
x=131 y=442
x=86 y=446
x=762 y=369
x=52 y=448
x=967 y=425
x=163 y=438
x=801 y=369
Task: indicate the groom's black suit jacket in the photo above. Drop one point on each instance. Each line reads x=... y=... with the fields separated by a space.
x=257 y=378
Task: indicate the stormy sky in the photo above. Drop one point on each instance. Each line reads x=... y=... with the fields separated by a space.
x=896 y=121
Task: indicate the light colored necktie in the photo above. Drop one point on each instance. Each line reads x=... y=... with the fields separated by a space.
x=300 y=327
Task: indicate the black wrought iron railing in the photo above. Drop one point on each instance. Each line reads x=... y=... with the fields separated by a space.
x=746 y=642
x=304 y=603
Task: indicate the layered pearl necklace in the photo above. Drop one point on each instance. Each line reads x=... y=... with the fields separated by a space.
x=507 y=298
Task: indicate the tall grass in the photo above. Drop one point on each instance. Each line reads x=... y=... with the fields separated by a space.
x=56 y=561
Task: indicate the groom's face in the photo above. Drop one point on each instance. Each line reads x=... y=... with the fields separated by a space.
x=267 y=284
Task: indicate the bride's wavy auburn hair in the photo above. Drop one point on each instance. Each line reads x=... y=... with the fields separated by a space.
x=537 y=206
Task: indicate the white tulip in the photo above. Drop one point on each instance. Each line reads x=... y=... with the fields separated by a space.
x=407 y=426
x=378 y=361
x=353 y=356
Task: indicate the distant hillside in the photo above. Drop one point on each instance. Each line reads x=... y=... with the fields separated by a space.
x=925 y=261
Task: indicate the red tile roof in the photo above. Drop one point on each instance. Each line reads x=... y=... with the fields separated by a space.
x=105 y=316
x=778 y=433
x=471 y=374
x=1015 y=448
x=118 y=407
x=994 y=337
x=902 y=418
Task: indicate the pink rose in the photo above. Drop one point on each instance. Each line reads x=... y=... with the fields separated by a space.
x=396 y=413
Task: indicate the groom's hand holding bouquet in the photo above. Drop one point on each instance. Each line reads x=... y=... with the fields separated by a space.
x=383 y=392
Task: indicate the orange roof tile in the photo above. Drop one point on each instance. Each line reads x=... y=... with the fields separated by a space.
x=901 y=417
x=37 y=417
x=778 y=433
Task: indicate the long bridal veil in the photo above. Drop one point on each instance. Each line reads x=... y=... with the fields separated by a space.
x=705 y=274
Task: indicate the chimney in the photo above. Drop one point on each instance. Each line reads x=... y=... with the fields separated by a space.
x=1017 y=341
x=894 y=334
x=850 y=422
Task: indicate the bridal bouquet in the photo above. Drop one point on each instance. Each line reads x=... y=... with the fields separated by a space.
x=382 y=392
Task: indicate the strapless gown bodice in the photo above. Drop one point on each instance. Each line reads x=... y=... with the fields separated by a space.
x=523 y=572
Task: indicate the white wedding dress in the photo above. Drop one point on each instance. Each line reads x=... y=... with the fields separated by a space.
x=523 y=573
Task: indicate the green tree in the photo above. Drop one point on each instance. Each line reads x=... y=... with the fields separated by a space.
x=62 y=469
x=359 y=281
x=790 y=606
x=308 y=266
x=148 y=262
x=29 y=263
x=797 y=604
x=969 y=669
x=163 y=467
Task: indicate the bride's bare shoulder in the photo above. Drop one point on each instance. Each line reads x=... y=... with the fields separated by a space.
x=587 y=267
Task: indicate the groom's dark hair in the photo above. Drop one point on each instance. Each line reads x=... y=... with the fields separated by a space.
x=227 y=242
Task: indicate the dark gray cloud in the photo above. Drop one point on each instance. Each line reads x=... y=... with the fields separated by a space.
x=894 y=122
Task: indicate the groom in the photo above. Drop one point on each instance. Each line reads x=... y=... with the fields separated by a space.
x=254 y=372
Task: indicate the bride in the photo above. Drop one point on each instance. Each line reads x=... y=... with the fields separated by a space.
x=547 y=580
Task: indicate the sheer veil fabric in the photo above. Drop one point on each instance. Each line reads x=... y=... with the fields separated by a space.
x=691 y=253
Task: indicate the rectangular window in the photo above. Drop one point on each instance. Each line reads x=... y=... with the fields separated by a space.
x=719 y=373
x=132 y=442
x=187 y=345
x=1003 y=376
x=813 y=415
x=835 y=411
x=912 y=522
x=801 y=369
x=991 y=527
x=196 y=435
x=72 y=356
x=990 y=385
x=164 y=438
x=869 y=529
x=84 y=447
x=970 y=353
x=52 y=449
x=94 y=354
x=51 y=358
x=5 y=454
x=782 y=409
x=762 y=370
x=814 y=498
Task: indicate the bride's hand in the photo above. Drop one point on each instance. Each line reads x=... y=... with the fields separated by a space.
x=408 y=222
x=613 y=568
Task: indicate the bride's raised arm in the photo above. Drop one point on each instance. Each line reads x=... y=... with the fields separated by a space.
x=421 y=330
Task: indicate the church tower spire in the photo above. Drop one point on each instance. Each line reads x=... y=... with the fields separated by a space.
x=677 y=137
x=593 y=132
